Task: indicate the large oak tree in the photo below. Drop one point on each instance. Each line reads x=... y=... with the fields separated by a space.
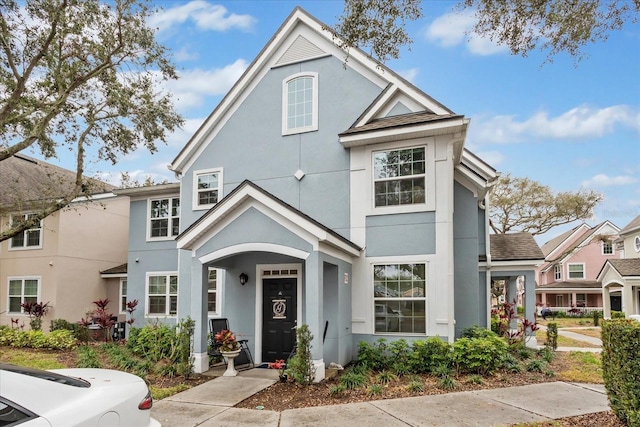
x=83 y=76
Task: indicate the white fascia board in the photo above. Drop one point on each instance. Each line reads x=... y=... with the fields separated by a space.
x=404 y=132
x=497 y=266
x=477 y=165
x=542 y=289
x=110 y=276
x=470 y=181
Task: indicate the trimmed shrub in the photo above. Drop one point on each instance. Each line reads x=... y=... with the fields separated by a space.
x=617 y=314
x=479 y=355
x=428 y=355
x=621 y=368
x=374 y=356
x=552 y=335
x=477 y=332
x=57 y=340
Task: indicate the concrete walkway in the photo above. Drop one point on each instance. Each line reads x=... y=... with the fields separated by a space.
x=211 y=404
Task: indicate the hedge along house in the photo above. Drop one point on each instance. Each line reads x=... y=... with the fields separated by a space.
x=318 y=192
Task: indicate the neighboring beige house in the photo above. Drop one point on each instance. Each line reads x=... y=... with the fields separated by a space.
x=60 y=261
x=624 y=274
x=568 y=277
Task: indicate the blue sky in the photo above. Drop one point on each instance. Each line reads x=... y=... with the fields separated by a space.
x=566 y=126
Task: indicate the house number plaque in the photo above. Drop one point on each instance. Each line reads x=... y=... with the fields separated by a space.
x=279 y=307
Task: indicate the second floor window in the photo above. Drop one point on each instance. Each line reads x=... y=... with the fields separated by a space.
x=576 y=271
x=557 y=272
x=164 y=217
x=27 y=239
x=207 y=188
x=300 y=103
x=399 y=177
x=607 y=247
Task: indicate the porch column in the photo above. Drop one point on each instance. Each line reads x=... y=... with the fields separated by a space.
x=199 y=315
x=606 y=303
x=512 y=297
x=313 y=309
x=544 y=298
x=530 y=306
x=627 y=300
x=574 y=300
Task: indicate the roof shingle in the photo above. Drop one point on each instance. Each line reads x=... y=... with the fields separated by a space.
x=514 y=246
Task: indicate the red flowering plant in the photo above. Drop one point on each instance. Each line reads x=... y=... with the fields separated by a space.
x=280 y=365
x=227 y=341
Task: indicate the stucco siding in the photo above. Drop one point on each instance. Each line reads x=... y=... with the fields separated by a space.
x=400 y=234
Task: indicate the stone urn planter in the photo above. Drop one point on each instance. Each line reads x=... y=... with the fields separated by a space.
x=229 y=356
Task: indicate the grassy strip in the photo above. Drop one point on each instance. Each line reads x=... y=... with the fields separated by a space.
x=564 y=341
x=31 y=359
x=582 y=367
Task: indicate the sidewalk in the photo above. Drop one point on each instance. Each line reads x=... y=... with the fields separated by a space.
x=211 y=404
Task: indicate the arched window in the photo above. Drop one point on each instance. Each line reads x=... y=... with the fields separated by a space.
x=300 y=103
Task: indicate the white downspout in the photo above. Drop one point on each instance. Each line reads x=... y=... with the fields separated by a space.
x=487 y=244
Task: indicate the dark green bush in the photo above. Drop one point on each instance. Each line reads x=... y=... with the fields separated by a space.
x=479 y=355
x=374 y=356
x=477 y=332
x=61 y=324
x=617 y=314
x=552 y=335
x=621 y=368
x=596 y=317
x=400 y=355
x=300 y=366
x=153 y=341
x=429 y=354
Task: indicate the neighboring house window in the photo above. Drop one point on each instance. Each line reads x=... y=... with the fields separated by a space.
x=212 y=291
x=300 y=103
x=607 y=247
x=207 y=188
x=576 y=271
x=636 y=243
x=21 y=290
x=557 y=272
x=123 y=296
x=162 y=291
x=164 y=217
x=400 y=298
x=559 y=300
x=581 y=300
x=27 y=239
x=399 y=177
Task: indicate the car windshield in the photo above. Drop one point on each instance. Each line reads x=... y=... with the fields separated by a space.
x=46 y=375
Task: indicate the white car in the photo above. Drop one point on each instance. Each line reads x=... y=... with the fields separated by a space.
x=73 y=398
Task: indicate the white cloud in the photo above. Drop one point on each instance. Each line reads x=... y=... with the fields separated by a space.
x=603 y=180
x=453 y=29
x=194 y=85
x=409 y=74
x=578 y=123
x=205 y=15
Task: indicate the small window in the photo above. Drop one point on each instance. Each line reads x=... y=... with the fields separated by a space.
x=123 y=296
x=22 y=290
x=207 y=188
x=164 y=218
x=557 y=272
x=300 y=103
x=27 y=239
x=607 y=247
x=212 y=291
x=636 y=243
x=399 y=177
x=576 y=271
x=399 y=294
x=162 y=291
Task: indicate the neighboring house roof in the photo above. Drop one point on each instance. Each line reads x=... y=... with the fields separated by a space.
x=117 y=270
x=626 y=267
x=249 y=190
x=572 y=284
x=552 y=244
x=25 y=179
x=632 y=226
x=148 y=190
x=514 y=247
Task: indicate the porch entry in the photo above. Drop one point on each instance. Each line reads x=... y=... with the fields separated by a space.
x=279 y=311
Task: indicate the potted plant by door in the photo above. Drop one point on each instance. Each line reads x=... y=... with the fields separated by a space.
x=229 y=348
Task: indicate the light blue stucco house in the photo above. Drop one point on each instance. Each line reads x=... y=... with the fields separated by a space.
x=340 y=192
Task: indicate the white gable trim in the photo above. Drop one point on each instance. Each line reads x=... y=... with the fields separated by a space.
x=568 y=239
x=253 y=247
x=298 y=23
x=249 y=197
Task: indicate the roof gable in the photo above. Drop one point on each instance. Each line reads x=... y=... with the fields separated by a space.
x=634 y=225
x=301 y=38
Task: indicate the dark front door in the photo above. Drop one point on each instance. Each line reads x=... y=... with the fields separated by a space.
x=278 y=318
x=616 y=302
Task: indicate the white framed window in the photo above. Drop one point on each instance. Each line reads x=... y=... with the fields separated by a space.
x=164 y=218
x=607 y=247
x=20 y=291
x=162 y=294
x=636 y=243
x=300 y=103
x=576 y=271
x=207 y=188
x=30 y=238
x=213 y=291
x=123 y=296
x=399 y=177
x=557 y=272
x=399 y=297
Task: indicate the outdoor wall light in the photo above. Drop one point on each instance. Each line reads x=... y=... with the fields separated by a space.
x=243 y=278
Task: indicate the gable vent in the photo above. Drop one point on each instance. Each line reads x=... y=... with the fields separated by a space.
x=300 y=50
